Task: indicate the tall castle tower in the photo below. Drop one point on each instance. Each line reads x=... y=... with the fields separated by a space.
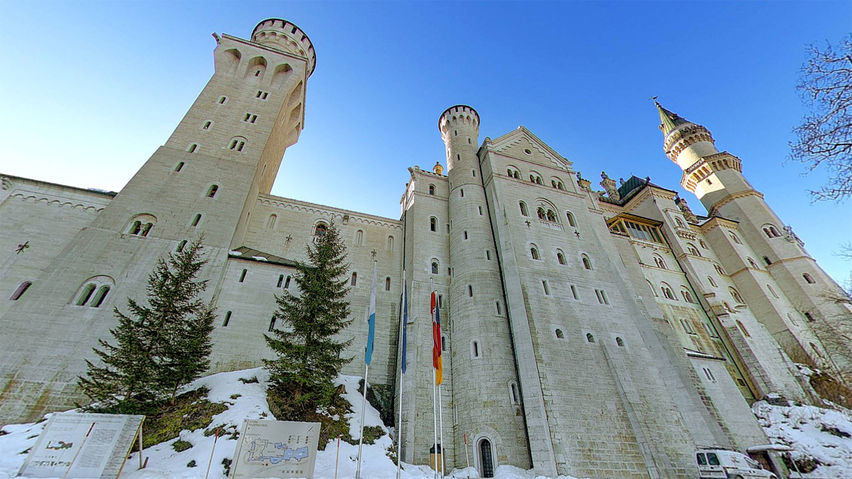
x=483 y=366
x=717 y=179
x=203 y=180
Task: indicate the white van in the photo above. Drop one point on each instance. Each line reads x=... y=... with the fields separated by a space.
x=724 y=464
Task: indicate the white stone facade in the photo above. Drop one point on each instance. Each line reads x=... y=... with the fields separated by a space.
x=589 y=334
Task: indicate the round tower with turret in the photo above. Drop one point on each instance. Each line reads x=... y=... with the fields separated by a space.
x=483 y=366
x=716 y=178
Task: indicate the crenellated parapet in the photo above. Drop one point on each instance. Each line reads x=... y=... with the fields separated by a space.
x=707 y=166
x=284 y=35
x=456 y=117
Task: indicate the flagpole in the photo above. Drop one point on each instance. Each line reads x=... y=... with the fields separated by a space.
x=434 y=424
x=441 y=428
x=361 y=434
x=368 y=355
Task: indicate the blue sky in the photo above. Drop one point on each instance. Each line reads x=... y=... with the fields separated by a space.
x=89 y=90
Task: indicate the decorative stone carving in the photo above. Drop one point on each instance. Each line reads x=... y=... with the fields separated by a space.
x=609 y=185
x=684 y=208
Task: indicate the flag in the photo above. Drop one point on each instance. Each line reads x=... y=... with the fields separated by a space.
x=436 y=340
x=371 y=320
x=404 y=319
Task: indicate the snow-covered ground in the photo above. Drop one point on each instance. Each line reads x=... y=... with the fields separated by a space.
x=248 y=401
x=808 y=430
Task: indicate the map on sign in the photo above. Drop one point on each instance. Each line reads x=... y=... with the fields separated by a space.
x=276 y=449
x=75 y=445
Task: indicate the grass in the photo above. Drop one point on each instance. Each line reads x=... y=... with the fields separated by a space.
x=190 y=411
x=180 y=445
x=332 y=420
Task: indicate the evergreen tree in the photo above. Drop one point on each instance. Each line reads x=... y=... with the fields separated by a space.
x=158 y=347
x=308 y=352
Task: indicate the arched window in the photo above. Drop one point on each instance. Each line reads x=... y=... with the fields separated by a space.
x=387 y=283
x=523 y=207
x=513 y=393
x=692 y=249
x=431 y=189
x=211 y=192
x=736 y=295
x=206 y=125
x=667 y=291
x=434 y=266
x=179 y=166
x=237 y=143
x=551 y=216
x=560 y=257
x=658 y=260
x=753 y=264
x=486 y=458
x=770 y=231
x=513 y=172
x=270 y=223
x=590 y=338
x=571 y=219
x=587 y=263
x=686 y=296
x=735 y=238
x=354 y=280
x=711 y=281
x=320 y=230
x=534 y=252
x=808 y=278
x=719 y=269
x=557 y=183
x=20 y=290
x=540 y=213
x=94 y=291
x=702 y=243
x=619 y=342
x=433 y=224
x=743 y=329
x=140 y=225
x=390 y=243
x=359 y=238
x=559 y=334
x=679 y=222
x=191 y=148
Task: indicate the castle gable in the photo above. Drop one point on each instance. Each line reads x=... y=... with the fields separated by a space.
x=524 y=145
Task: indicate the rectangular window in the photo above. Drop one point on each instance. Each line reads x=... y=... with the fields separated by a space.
x=488 y=255
x=687 y=326
x=272 y=324
x=546 y=287
x=574 y=292
x=480 y=210
x=499 y=309
x=227 y=319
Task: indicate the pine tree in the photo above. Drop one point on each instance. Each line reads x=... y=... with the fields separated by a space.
x=308 y=352
x=158 y=347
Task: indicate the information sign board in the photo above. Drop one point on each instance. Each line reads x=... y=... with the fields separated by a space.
x=75 y=445
x=276 y=449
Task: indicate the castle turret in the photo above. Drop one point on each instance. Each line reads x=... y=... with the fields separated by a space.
x=483 y=365
x=717 y=179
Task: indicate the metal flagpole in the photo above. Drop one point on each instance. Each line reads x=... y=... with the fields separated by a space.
x=361 y=435
x=441 y=429
x=434 y=423
x=433 y=297
x=368 y=355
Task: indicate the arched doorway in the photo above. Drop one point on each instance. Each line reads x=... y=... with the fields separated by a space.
x=486 y=459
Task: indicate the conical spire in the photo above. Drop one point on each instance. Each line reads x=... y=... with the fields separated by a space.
x=668 y=120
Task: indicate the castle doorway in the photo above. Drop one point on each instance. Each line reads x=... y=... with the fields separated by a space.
x=486 y=460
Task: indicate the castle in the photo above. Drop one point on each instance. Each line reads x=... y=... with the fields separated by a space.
x=604 y=334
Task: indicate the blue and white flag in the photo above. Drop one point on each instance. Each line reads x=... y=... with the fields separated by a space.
x=404 y=319
x=371 y=320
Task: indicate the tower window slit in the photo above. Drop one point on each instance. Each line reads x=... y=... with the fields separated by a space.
x=287 y=283
x=20 y=290
x=227 y=319
x=280 y=280
x=243 y=275
x=272 y=324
